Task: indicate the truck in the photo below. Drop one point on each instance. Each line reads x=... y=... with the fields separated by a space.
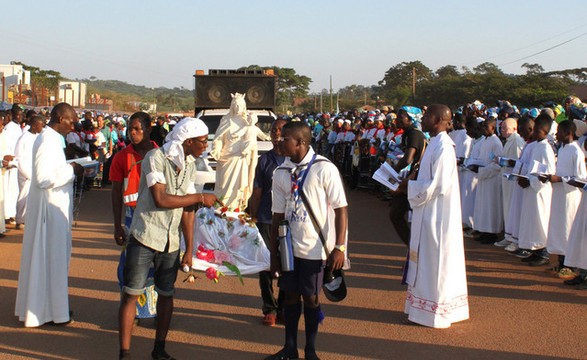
x=212 y=102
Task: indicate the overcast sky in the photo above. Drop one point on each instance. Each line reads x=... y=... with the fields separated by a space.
x=162 y=43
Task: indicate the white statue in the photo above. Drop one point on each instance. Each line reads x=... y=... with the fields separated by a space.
x=235 y=150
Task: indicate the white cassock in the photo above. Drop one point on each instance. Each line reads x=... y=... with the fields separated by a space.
x=24 y=157
x=463 y=150
x=46 y=250
x=470 y=185
x=565 y=198
x=2 y=175
x=576 y=251
x=12 y=132
x=488 y=214
x=536 y=200
x=512 y=222
x=436 y=273
x=512 y=149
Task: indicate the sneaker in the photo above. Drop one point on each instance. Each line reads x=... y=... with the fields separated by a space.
x=566 y=273
x=269 y=319
x=511 y=248
x=540 y=261
x=523 y=254
x=503 y=243
x=283 y=354
x=574 y=281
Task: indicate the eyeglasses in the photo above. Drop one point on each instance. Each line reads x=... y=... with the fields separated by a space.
x=203 y=142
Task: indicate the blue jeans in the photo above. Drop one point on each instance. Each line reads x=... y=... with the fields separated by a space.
x=139 y=260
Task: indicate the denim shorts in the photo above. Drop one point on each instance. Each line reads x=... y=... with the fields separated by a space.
x=139 y=259
x=306 y=278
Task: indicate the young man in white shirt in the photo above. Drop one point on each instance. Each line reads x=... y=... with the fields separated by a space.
x=319 y=180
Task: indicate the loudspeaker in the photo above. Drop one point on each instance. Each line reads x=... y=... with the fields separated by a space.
x=213 y=91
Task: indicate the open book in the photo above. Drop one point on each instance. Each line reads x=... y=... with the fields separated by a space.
x=387 y=175
x=91 y=167
x=534 y=168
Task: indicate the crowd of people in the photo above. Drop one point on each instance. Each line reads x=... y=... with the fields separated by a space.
x=500 y=175
x=511 y=161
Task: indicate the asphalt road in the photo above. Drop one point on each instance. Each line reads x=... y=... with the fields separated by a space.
x=517 y=312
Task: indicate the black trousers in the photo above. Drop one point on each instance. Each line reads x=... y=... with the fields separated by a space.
x=399 y=207
x=270 y=303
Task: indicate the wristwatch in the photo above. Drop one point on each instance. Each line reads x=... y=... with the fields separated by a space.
x=340 y=248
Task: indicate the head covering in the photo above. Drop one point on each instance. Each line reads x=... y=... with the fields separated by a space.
x=533 y=113
x=414 y=113
x=187 y=128
x=334 y=286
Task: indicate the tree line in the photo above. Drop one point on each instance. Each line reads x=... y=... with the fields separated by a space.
x=411 y=83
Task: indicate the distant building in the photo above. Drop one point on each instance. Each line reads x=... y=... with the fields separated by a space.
x=146 y=107
x=73 y=93
x=14 y=79
x=95 y=102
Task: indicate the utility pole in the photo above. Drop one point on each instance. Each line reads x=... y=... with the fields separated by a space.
x=413 y=83
x=331 y=108
x=321 y=107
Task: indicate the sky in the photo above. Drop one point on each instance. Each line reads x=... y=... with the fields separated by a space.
x=162 y=43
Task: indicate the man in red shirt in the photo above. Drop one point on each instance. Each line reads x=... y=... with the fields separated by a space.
x=126 y=169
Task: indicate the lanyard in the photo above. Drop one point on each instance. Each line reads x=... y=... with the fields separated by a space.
x=298 y=181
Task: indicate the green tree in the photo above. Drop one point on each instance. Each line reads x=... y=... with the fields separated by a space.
x=447 y=71
x=396 y=85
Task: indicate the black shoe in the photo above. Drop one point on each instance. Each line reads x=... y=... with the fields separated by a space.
x=283 y=354
x=574 y=281
x=161 y=355
x=487 y=238
x=310 y=355
x=2 y=235
x=532 y=258
x=539 y=262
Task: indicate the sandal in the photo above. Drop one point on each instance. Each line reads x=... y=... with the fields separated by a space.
x=566 y=274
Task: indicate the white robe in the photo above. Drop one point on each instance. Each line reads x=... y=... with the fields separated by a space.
x=536 y=201
x=488 y=213
x=512 y=149
x=46 y=250
x=436 y=273
x=24 y=157
x=470 y=185
x=576 y=251
x=463 y=144
x=565 y=198
x=12 y=132
x=512 y=222
x=2 y=175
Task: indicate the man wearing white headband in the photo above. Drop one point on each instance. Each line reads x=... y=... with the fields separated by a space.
x=166 y=200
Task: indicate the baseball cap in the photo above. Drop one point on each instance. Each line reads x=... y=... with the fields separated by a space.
x=334 y=286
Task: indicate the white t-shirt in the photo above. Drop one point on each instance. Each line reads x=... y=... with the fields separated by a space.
x=324 y=191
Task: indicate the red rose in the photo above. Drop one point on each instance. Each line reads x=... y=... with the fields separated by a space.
x=212 y=274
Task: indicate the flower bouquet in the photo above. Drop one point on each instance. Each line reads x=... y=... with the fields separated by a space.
x=227 y=243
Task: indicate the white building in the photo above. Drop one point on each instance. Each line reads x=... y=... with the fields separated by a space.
x=73 y=93
x=11 y=77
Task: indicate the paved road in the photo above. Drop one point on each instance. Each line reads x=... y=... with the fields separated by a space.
x=514 y=309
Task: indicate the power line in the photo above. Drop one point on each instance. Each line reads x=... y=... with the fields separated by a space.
x=545 y=50
x=527 y=46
